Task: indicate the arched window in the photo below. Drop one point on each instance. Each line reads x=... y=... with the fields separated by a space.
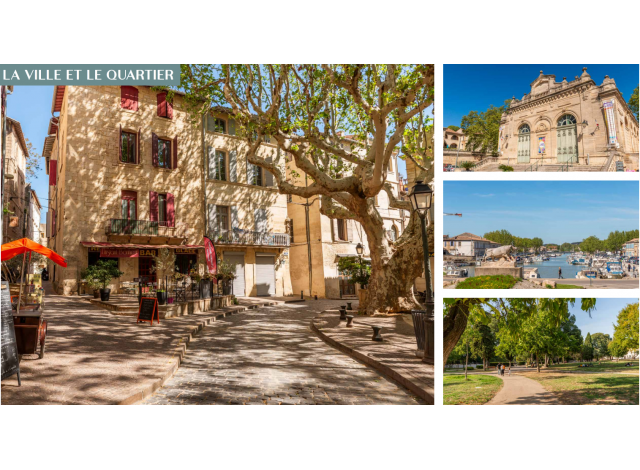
x=566 y=120
x=524 y=129
x=453 y=146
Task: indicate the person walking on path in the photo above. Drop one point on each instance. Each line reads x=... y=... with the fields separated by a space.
x=560 y=273
x=498 y=369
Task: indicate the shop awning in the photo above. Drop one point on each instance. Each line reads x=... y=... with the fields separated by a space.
x=137 y=245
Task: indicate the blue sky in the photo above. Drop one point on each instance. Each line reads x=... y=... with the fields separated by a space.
x=556 y=211
x=476 y=87
x=602 y=318
x=31 y=105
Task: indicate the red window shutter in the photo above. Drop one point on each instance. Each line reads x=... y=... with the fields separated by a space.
x=154 y=149
x=162 y=104
x=120 y=143
x=129 y=98
x=138 y=145
x=153 y=206
x=53 y=172
x=171 y=213
x=53 y=224
x=169 y=110
x=174 y=164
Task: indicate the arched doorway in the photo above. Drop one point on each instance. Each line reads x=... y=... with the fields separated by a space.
x=567 y=139
x=524 y=144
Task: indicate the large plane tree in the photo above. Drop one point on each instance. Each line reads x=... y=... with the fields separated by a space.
x=340 y=124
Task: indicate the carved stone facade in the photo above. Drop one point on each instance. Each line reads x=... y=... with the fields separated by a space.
x=576 y=122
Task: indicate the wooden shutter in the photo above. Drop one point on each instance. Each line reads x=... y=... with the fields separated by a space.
x=153 y=206
x=231 y=126
x=349 y=229
x=233 y=166
x=169 y=109
x=211 y=167
x=235 y=222
x=171 y=213
x=120 y=143
x=174 y=164
x=334 y=229
x=268 y=176
x=54 y=224
x=138 y=145
x=154 y=149
x=53 y=172
x=213 y=223
x=162 y=104
x=129 y=98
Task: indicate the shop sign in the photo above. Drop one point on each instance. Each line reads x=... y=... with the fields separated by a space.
x=186 y=251
x=148 y=252
x=118 y=253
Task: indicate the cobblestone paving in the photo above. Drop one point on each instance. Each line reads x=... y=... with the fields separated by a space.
x=270 y=356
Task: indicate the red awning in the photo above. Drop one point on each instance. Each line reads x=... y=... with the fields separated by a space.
x=135 y=245
x=24 y=245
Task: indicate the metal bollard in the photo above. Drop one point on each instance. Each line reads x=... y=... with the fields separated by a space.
x=349 y=321
x=376 y=333
x=343 y=314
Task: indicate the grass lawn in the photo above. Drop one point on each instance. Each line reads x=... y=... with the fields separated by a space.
x=590 y=389
x=602 y=366
x=566 y=286
x=478 y=390
x=488 y=282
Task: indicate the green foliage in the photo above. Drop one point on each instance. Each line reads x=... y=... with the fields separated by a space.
x=600 y=343
x=625 y=333
x=505 y=168
x=226 y=272
x=453 y=128
x=102 y=273
x=165 y=263
x=358 y=271
x=587 y=348
x=467 y=165
x=633 y=103
x=477 y=390
x=591 y=245
x=488 y=282
x=567 y=247
x=482 y=129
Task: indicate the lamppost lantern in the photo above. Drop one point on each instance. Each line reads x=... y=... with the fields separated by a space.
x=421 y=197
x=359 y=249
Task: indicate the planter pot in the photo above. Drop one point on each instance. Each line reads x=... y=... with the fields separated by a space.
x=96 y=293
x=226 y=288
x=104 y=294
x=162 y=298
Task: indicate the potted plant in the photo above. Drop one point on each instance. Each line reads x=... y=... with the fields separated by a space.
x=101 y=274
x=164 y=263
x=226 y=273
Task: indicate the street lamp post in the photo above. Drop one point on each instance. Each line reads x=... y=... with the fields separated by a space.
x=421 y=198
x=360 y=251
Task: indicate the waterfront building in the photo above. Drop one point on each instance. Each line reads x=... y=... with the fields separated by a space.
x=467 y=244
x=575 y=122
x=630 y=249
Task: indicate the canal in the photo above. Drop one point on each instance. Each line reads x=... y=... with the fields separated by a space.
x=548 y=269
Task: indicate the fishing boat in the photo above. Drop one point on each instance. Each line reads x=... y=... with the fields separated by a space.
x=531 y=273
x=587 y=274
x=614 y=270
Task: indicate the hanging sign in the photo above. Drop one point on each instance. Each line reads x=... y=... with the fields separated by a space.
x=611 y=122
x=148 y=310
x=210 y=254
x=541 y=145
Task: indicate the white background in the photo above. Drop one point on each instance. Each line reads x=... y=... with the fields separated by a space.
x=338 y=32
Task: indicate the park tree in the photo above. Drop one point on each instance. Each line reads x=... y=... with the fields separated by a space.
x=625 y=333
x=510 y=313
x=587 y=348
x=566 y=247
x=617 y=349
x=571 y=339
x=600 y=343
x=617 y=239
x=591 y=244
x=502 y=237
x=308 y=111
x=483 y=129
x=483 y=343
x=453 y=128
x=633 y=103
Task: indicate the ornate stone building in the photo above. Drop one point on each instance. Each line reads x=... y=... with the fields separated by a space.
x=575 y=122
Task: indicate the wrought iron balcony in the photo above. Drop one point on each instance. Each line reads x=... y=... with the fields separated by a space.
x=151 y=228
x=244 y=237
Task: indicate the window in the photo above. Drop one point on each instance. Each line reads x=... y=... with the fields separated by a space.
x=393 y=233
x=454 y=137
x=165 y=108
x=291 y=229
x=524 y=129
x=566 y=120
x=128 y=146
x=162 y=210
x=255 y=175
x=216 y=125
x=342 y=229
x=129 y=98
x=220 y=172
x=164 y=153
x=222 y=216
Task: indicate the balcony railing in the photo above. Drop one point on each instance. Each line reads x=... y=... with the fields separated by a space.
x=244 y=237
x=151 y=228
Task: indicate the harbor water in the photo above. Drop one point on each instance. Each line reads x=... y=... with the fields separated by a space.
x=548 y=269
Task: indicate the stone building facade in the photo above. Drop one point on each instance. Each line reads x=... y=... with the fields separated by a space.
x=575 y=122
x=128 y=168
x=466 y=244
x=453 y=139
x=14 y=198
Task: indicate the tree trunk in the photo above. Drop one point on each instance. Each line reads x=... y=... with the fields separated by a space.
x=454 y=324
x=466 y=362
x=537 y=362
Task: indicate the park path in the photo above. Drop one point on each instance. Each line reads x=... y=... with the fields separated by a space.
x=519 y=390
x=270 y=356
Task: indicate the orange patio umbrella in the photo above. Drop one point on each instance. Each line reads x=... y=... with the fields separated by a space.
x=24 y=245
